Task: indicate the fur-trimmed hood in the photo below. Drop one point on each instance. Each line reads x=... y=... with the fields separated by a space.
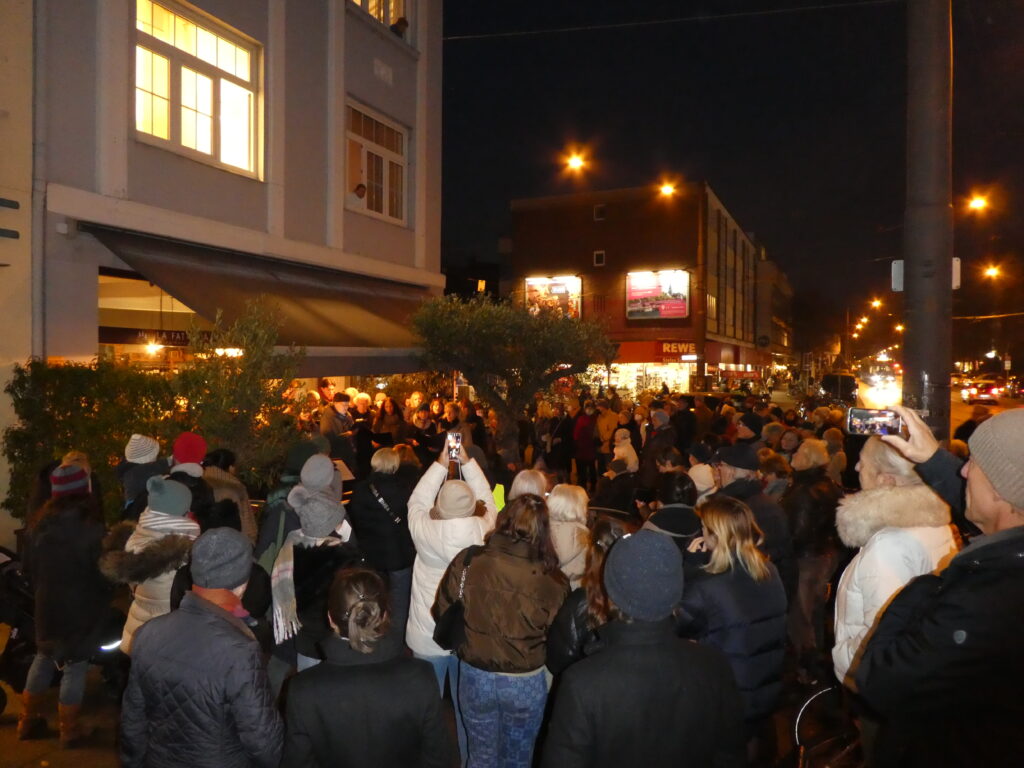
x=863 y=514
x=158 y=557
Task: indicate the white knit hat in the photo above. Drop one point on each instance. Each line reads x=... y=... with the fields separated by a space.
x=141 y=449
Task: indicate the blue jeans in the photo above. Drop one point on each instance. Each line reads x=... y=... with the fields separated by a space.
x=448 y=666
x=72 y=684
x=503 y=714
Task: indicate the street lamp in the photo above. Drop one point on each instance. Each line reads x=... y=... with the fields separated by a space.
x=977 y=203
x=876 y=303
x=864 y=320
x=991 y=272
x=575 y=162
x=667 y=189
x=899 y=328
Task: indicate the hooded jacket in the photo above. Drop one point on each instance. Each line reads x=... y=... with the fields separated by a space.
x=570 y=539
x=903 y=532
x=437 y=542
x=151 y=556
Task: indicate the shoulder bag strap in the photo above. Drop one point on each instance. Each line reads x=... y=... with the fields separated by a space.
x=387 y=507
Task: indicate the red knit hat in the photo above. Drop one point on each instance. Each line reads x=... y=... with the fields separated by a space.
x=189 y=448
x=68 y=479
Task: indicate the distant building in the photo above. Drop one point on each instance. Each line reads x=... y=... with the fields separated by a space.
x=673 y=275
x=774 y=312
x=166 y=160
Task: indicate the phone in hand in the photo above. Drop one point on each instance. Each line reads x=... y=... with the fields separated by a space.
x=454 y=446
x=872 y=421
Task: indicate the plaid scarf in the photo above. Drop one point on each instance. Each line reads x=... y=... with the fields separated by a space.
x=282 y=583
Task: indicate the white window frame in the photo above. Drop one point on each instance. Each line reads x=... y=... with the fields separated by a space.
x=388 y=157
x=177 y=59
x=387 y=11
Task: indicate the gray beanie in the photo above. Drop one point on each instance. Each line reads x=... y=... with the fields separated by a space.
x=318 y=513
x=317 y=473
x=168 y=496
x=221 y=559
x=659 y=418
x=643 y=575
x=997 y=446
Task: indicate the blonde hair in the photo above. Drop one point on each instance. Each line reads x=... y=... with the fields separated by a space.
x=385 y=461
x=816 y=452
x=833 y=439
x=888 y=460
x=529 y=481
x=738 y=536
x=363 y=397
x=406 y=455
x=568 y=504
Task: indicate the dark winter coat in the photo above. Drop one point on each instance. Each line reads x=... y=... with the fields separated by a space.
x=657 y=442
x=771 y=519
x=561 y=453
x=646 y=699
x=355 y=709
x=569 y=633
x=314 y=571
x=685 y=424
x=617 y=492
x=584 y=432
x=257 y=601
x=942 y=474
x=72 y=598
x=383 y=534
x=682 y=524
x=944 y=666
x=509 y=605
x=810 y=506
x=745 y=620
x=198 y=695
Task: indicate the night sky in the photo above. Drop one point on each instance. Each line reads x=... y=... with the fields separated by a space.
x=796 y=120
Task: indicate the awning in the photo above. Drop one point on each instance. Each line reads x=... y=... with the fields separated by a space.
x=350 y=324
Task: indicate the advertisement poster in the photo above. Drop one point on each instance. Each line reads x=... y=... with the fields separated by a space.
x=661 y=295
x=561 y=293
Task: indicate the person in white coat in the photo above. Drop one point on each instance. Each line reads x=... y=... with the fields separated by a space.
x=903 y=529
x=567 y=511
x=445 y=517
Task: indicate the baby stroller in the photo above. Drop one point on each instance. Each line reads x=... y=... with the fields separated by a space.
x=17 y=605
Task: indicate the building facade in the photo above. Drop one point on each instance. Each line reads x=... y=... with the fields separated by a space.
x=167 y=159
x=670 y=272
x=774 y=312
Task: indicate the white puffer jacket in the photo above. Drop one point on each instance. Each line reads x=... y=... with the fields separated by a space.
x=437 y=543
x=903 y=532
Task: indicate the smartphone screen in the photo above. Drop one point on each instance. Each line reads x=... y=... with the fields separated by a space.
x=870 y=421
x=454 y=446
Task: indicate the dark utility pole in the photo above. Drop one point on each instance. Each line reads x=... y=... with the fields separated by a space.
x=928 y=221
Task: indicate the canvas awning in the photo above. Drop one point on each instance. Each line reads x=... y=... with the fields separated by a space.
x=350 y=324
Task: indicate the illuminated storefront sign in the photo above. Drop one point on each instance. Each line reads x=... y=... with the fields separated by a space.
x=561 y=293
x=663 y=295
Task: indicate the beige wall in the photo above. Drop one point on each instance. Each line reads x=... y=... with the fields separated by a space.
x=15 y=184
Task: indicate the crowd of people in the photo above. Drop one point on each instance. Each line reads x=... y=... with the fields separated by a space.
x=603 y=583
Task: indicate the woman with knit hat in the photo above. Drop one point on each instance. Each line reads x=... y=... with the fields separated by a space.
x=309 y=559
x=152 y=554
x=445 y=517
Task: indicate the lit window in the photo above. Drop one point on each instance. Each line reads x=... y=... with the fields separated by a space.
x=211 y=111
x=389 y=13
x=376 y=166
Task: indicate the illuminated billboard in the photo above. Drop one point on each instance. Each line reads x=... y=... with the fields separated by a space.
x=663 y=295
x=560 y=293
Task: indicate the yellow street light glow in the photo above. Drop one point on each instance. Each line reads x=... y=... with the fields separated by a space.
x=667 y=190
x=864 y=320
x=876 y=303
x=858 y=326
x=978 y=203
x=575 y=162
x=152 y=348
x=856 y=335
x=992 y=272
x=900 y=327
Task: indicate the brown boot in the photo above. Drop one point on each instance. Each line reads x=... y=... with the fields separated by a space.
x=72 y=733
x=31 y=723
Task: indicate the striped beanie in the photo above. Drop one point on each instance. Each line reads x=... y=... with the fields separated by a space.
x=141 y=449
x=68 y=479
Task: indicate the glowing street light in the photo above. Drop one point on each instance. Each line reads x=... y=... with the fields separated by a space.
x=876 y=303
x=667 y=189
x=977 y=203
x=864 y=320
x=856 y=335
x=575 y=162
x=899 y=328
x=992 y=272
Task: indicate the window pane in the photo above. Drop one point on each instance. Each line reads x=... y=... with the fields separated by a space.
x=161 y=118
x=188 y=128
x=163 y=24
x=350 y=118
x=144 y=16
x=225 y=55
x=395 y=190
x=204 y=94
x=242 y=64
x=236 y=123
x=161 y=77
x=374 y=182
x=397 y=10
x=188 y=88
x=143 y=111
x=204 y=134
x=376 y=9
x=185 y=35
x=143 y=68
x=206 y=46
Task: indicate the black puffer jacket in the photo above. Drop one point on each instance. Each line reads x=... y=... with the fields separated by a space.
x=569 y=633
x=197 y=694
x=944 y=666
x=810 y=506
x=745 y=620
x=771 y=519
x=383 y=534
x=616 y=493
x=314 y=570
